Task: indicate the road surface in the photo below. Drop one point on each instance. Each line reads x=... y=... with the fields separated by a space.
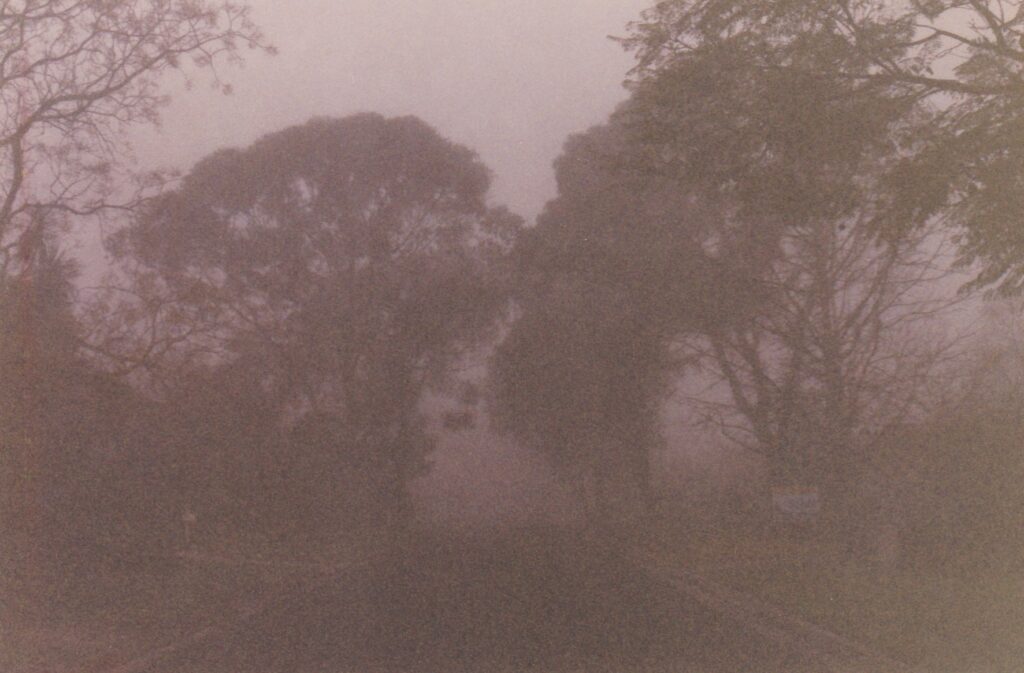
x=526 y=601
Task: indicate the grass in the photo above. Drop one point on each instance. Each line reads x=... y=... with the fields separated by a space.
x=80 y=616
x=94 y=617
x=940 y=619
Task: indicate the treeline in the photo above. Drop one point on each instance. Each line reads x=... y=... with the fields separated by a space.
x=766 y=213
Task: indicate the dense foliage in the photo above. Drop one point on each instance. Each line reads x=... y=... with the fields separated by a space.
x=946 y=73
x=345 y=264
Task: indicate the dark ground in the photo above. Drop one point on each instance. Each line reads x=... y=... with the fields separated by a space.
x=520 y=601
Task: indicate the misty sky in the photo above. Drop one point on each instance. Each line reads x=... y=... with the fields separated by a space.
x=509 y=78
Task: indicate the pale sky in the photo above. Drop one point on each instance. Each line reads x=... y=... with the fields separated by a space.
x=508 y=78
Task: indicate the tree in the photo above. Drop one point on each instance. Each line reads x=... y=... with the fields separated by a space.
x=74 y=465
x=766 y=110
x=74 y=74
x=214 y=435
x=578 y=379
x=613 y=273
x=952 y=68
x=348 y=261
x=840 y=352
x=960 y=465
x=38 y=369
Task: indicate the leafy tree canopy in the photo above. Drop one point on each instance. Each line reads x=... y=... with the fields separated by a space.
x=349 y=260
x=944 y=74
x=616 y=270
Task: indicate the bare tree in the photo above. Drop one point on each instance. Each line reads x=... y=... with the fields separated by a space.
x=74 y=74
x=841 y=352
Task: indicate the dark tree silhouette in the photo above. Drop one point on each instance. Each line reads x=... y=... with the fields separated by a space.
x=350 y=261
x=610 y=278
x=74 y=452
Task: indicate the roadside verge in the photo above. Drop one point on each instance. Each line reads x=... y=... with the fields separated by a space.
x=833 y=652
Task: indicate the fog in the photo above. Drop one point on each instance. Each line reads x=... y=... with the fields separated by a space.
x=510 y=79
x=405 y=336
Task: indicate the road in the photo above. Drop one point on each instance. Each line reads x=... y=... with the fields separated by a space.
x=528 y=601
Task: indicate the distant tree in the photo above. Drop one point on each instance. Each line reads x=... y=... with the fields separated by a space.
x=608 y=281
x=578 y=379
x=949 y=71
x=74 y=76
x=349 y=261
